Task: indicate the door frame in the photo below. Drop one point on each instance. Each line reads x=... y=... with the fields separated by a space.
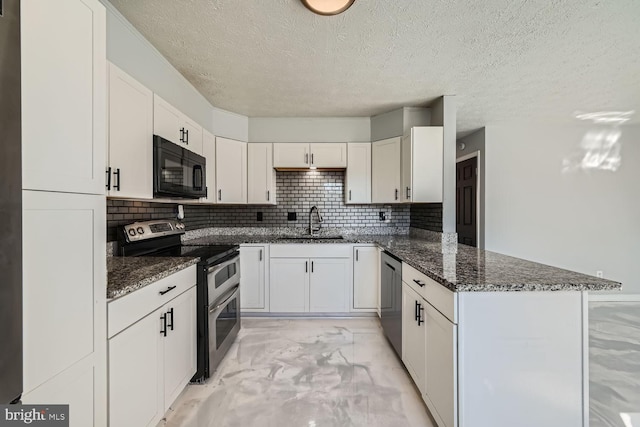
x=478 y=205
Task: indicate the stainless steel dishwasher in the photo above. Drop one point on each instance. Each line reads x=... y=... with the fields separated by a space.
x=391 y=300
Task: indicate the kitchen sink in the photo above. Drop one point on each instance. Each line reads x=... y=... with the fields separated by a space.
x=311 y=238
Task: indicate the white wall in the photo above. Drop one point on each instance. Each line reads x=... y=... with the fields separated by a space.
x=129 y=50
x=309 y=129
x=582 y=220
x=475 y=143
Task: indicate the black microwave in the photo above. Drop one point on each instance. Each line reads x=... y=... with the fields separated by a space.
x=177 y=172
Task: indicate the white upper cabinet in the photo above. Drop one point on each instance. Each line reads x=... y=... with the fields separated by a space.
x=422 y=165
x=130 y=163
x=192 y=135
x=261 y=176
x=358 y=174
x=231 y=171
x=63 y=96
x=290 y=155
x=328 y=155
x=171 y=124
x=385 y=171
x=302 y=155
x=209 y=153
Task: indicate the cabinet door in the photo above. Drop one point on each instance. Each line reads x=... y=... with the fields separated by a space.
x=358 y=174
x=292 y=155
x=441 y=362
x=64 y=102
x=192 y=135
x=179 y=345
x=209 y=153
x=289 y=285
x=261 y=177
x=130 y=136
x=231 y=171
x=74 y=387
x=427 y=158
x=329 y=284
x=365 y=277
x=413 y=335
x=385 y=171
x=63 y=289
x=328 y=155
x=135 y=374
x=253 y=260
x=167 y=121
x=407 y=171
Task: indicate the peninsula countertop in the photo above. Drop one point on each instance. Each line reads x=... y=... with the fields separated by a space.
x=468 y=269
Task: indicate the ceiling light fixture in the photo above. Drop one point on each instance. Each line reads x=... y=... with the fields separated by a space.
x=327 y=7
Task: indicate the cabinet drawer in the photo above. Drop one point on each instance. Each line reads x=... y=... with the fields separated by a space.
x=128 y=309
x=437 y=295
x=311 y=250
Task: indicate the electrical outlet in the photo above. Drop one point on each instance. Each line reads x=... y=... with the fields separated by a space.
x=292 y=216
x=382 y=216
x=599 y=274
x=259 y=216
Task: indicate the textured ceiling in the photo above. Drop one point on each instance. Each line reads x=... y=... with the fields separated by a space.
x=504 y=59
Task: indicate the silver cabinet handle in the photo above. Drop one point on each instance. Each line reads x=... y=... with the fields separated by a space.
x=268 y=195
x=219 y=194
x=396 y=194
x=260 y=257
x=419 y=283
x=306 y=158
x=311 y=158
x=349 y=194
x=312 y=266
x=356 y=254
x=408 y=192
x=306 y=266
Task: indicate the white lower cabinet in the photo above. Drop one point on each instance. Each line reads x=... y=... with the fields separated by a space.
x=328 y=283
x=365 y=278
x=413 y=335
x=152 y=359
x=440 y=393
x=179 y=345
x=289 y=285
x=135 y=370
x=254 y=278
x=310 y=278
x=316 y=285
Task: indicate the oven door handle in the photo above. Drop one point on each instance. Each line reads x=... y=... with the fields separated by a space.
x=223 y=265
x=231 y=294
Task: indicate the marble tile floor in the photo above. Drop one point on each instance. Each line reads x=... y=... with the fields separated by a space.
x=305 y=373
x=614 y=364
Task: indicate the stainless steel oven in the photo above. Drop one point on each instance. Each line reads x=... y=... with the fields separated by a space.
x=218 y=284
x=220 y=321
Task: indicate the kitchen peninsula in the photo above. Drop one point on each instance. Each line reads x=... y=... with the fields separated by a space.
x=488 y=339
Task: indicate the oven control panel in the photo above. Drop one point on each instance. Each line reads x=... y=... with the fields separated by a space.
x=151 y=229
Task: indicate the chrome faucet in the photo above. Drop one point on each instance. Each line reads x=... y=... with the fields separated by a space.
x=312 y=231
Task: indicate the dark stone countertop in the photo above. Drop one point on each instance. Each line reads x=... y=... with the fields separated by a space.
x=468 y=270
x=127 y=274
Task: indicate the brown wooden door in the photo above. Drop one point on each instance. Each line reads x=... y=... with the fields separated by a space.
x=466 y=201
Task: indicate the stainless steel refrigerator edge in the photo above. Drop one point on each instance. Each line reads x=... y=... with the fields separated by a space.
x=10 y=204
